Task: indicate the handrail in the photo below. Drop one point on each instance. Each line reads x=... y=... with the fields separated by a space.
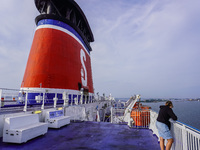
x=189 y=127
x=185 y=136
x=28 y=97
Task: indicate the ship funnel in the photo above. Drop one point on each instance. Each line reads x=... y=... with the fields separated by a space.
x=59 y=59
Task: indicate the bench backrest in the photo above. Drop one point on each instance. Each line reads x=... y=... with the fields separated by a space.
x=54 y=114
x=16 y=122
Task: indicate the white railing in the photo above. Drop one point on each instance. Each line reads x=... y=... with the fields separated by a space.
x=141 y=118
x=136 y=118
x=10 y=98
x=117 y=114
x=185 y=137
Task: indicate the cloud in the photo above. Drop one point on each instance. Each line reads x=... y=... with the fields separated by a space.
x=141 y=47
x=145 y=47
x=16 y=34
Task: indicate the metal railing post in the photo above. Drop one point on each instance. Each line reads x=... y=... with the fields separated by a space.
x=65 y=98
x=111 y=115
x=42 y=107
x=184 y=135
x=81 y=99
x=75 y=101
x=25 y=106
x=55 y=100
x=85 y=99
x=72 y=99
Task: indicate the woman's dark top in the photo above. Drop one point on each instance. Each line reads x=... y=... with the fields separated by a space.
x=165 y=114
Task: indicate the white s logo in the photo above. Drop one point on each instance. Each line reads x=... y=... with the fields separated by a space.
x=83 y=68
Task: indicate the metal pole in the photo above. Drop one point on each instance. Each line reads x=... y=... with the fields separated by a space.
x=81 y=100
x=43 y=101
x=65 y=98
x=76 y=100
x=85 y=99
x=40 y=92
x=111 y=115
x=71 y=99
x=55 y=100
x=184 y=135
x=25 y=106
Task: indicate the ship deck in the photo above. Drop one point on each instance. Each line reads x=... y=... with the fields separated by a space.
x=90 y=135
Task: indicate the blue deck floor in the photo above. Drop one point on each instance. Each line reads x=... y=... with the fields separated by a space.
x=92 y=136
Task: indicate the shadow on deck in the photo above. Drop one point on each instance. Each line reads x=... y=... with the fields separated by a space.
x=92 y=136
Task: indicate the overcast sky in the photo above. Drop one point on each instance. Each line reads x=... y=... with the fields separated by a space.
x=142 y=47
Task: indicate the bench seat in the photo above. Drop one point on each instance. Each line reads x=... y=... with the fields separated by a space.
x=56 y=118
x=58 y=122
x=20 y=129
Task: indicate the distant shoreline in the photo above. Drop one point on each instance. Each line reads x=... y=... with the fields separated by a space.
x=164 y=100
x=156 y=100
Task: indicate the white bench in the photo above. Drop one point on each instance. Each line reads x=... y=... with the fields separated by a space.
x=56 y=118
x=21 y=128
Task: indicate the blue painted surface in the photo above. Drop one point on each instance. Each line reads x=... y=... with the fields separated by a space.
x=90 y=135
x=55 y=114
x=49 y=98
x=62 y=25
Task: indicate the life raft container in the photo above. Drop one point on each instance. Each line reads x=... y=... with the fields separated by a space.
x=140 y=115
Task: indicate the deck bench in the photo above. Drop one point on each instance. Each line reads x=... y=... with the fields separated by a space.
x=21 y=128
x=56 y=118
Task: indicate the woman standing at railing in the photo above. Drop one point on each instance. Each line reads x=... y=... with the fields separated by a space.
x=163 y=124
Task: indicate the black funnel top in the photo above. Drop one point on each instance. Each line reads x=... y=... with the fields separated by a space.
x=67 y=11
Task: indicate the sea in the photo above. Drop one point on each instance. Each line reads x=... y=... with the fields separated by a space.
x=188 y=112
